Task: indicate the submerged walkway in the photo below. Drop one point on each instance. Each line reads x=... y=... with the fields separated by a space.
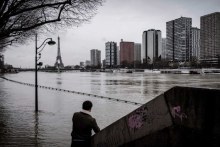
x=75 y=92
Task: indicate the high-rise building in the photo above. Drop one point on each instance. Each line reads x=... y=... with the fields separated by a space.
x=103 y=63
x=81 y=64
x=95 y=55
x=111 y=54
x=178 y=34
x=164 y=49
x=195 y=50
x=87 y=63
x=126 y=52
x=210 y=36
x=151 y=46
x=137 y=52
x=118 y=55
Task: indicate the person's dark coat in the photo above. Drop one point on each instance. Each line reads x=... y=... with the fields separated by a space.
x=83 y=124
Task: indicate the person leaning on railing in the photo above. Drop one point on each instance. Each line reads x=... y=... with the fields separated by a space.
x=83 y=124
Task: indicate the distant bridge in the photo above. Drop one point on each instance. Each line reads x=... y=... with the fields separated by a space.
x=47 y=70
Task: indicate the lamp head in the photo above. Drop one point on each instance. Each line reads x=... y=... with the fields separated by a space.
x=40 y=64
x=51 y=42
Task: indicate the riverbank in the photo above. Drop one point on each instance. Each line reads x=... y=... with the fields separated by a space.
x=162 y=71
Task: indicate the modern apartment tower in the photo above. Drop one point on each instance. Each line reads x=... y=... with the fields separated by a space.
x=210 y=36
x=164 y=48
x=151 y=46
x=95 y=55
x=195 y=38
x=103 y=63
x=82 y=64
x=137 y=52
x=118 y=55
x=87 y=63
x=126 y=52
x=110 y=54
x=178 y=34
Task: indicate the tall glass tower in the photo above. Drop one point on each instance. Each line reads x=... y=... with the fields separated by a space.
x=178 y=34
x=210 y=36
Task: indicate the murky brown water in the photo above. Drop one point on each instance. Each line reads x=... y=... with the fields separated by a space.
x=20 y=126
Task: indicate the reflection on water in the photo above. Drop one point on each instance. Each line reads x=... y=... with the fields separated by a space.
x=16 y=121
x=59 y=79
x=156 y=87
x=36 y=123
x=21 y=126
x=95 y=85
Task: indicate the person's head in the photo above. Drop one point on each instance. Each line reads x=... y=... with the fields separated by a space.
x=87 y=105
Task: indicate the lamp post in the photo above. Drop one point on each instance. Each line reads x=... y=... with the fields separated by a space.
x=37 y=57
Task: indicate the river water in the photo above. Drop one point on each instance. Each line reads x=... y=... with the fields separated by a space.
x=21 y=126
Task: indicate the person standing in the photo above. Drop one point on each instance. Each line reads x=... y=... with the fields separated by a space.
x=83 y=124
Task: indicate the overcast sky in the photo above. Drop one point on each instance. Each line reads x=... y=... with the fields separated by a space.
x=115 y=20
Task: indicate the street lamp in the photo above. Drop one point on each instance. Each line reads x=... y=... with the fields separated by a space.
x=37 y=57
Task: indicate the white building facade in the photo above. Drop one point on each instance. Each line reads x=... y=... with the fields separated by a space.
x=151 y=49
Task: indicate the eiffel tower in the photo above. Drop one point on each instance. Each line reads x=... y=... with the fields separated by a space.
x=58 y=64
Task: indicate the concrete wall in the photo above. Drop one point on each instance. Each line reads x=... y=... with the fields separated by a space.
x=181 y=116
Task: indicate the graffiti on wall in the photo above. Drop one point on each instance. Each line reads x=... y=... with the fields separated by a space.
x=177 y=113
x=137 y=119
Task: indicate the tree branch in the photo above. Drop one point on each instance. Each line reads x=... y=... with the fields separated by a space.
x=39 y=7
x=3 y=4
x=22 y=18
x=35 y=25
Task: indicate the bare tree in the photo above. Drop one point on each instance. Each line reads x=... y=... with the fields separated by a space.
x=20 y=19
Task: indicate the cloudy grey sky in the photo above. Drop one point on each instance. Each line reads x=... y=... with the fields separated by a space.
x=115 y=20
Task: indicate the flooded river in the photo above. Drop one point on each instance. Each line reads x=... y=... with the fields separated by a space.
x=20 y=126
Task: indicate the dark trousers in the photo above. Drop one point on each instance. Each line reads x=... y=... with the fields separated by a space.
x=80 y=143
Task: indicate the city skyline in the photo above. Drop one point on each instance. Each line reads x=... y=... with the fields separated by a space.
x=114 y=21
